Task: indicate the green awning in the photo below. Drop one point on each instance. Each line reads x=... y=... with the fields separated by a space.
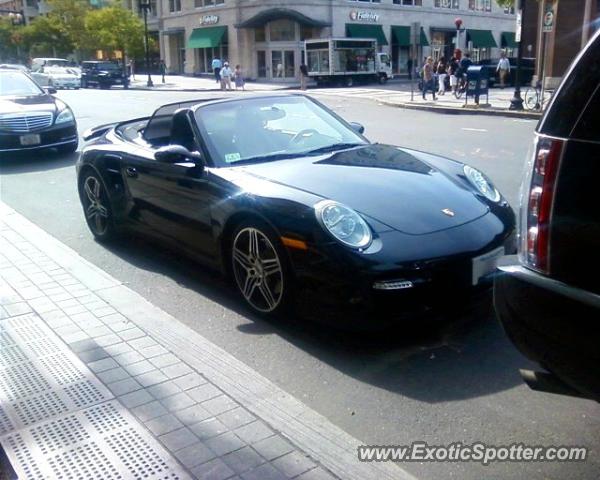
x=206 y=37
x=508 y=40
x=481 y=38
x=424 y=41
x=357 y=30
x=401 y=35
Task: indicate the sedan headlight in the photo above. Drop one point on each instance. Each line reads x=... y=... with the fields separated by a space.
x=482 y=183
x=343 y=223
x=65 y=116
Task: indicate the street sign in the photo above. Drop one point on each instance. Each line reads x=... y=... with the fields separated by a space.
x=519 y=25
x=548 y=25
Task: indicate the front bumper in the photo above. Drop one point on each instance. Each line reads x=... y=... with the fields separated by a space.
x=553 y=324
x=53 y=136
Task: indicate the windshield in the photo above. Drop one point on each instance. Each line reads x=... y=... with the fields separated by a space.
x=265 y=129
x=108 y=66
x=15 y=84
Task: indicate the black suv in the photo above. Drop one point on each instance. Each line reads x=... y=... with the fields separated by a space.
x=527 y=71
x=548 y=299
x=103 y=74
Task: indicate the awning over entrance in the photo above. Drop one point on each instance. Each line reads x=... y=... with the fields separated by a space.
x=357 y=30
x=206 y=37
x=481 y=38
x=401 y=35
x=271 y=14
x=508 y=40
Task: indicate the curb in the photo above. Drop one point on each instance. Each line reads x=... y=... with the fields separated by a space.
x=464 y=111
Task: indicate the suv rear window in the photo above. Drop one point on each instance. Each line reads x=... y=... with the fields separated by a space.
x=588 y=127
x=574 y=93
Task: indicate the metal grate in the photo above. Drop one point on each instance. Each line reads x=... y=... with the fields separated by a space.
x=25 y=122
x=83 y=462
x=29 y=467
x=5 y=423
x=43 y=347
x=84 y=394
x=61 y=369
x=60 y=433
x=5 y=339
x=38 y=408
x=11 y=355
x=20 y=381
x=105 y=418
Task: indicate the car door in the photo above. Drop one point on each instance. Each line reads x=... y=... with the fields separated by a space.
x=172 y=199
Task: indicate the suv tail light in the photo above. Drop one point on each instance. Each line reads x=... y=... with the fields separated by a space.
x=536 y=204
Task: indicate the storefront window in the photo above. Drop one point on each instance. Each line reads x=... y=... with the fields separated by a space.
x=509 y=10
x=480 y=5
x=174 y=6
x=446 y=4
x=259 y=34
x=306 y=33
x=283 y=30
x=410 y=3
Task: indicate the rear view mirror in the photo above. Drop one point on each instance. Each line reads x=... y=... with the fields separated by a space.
x=175 y=154
x=357 y=127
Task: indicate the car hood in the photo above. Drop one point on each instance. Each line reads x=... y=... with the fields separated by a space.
x=34 y=103
x=389 y=184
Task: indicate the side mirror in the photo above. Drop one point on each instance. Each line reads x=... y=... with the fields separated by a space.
x=357 y=127
x=176 y=154
x=49 y=90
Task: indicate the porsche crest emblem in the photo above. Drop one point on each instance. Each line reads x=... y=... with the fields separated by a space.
x=447 y=211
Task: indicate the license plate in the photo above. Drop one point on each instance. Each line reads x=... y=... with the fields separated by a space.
x=32 y=139
x=485 y=264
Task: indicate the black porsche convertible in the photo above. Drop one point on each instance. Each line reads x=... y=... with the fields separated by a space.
x=293 y=202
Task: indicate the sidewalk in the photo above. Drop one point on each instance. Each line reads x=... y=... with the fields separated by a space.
x=182 y=83
x=96 y=382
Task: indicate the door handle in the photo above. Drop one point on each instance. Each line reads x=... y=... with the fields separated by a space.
x=131 y=172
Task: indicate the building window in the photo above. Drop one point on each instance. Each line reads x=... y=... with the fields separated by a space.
x=480 y=5
x=259 y=34
x=174 y=6
x=283 y=30
x=306 y=33
x=509 y=10
x=410 y=3
x=219 y=2
x=446 y=4
x=366 y=1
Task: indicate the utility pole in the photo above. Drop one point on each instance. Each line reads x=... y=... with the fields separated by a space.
x=516 y=103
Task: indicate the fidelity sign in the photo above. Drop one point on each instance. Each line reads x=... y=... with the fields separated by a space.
x=364 y=16
x=209 y=19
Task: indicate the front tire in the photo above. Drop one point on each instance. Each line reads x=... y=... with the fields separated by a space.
x=96 y=207
x=260 y=269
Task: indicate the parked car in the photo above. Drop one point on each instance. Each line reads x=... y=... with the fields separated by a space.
x=291 y=200
x=62 y=77
x=42 y=79
x=31 y=118
x=39 y=63
x=527 y=71
x=548 y=298
x=103 y=74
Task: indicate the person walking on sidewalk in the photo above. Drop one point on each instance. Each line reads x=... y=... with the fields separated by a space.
x=303 y=76
x=428 y=83
x=226 y=75
x=216 y=67
x=503 y=69
x=239 y=78
x=441 y=71
x=162 y=68
x=452 y=71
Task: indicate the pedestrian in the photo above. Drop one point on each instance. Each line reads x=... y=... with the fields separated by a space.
x=162 y=68
x=132 y=68
x=428 y=83
x=452 y=71
x=409 y=68
x=303 y=76
x=503 y=69
x=239 y=77
x=216 y=66
x=441 y=71
x=463 y=68
x=226 y=75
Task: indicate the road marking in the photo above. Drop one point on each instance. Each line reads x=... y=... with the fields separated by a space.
x=474 y=129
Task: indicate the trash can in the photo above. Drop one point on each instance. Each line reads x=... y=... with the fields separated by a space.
x=477 y=82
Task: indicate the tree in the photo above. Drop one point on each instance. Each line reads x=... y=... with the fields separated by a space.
x=506 y=3
x=45 y=36
x=115 y=28
x=69 y=17
x=8 y=40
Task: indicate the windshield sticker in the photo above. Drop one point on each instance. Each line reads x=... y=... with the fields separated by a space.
x=232 y=157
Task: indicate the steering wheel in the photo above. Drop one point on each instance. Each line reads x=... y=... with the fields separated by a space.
x=303 y=133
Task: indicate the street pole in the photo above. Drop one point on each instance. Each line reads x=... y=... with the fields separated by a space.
x=145 y=6
x=516 y=103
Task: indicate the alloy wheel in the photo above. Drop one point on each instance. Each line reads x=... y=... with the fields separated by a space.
x=96 y=210
x=257 y=269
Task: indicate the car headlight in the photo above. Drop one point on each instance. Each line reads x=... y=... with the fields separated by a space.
x=343 y=223
x=482 y=183
x=65 y=116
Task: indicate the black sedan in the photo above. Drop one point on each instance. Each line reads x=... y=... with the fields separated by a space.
x=31 y=118
x=293 y=202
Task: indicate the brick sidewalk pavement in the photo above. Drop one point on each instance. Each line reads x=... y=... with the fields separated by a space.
x=90 y=386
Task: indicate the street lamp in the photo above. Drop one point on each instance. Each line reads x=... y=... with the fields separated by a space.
x=16 y=18
x=516 y=103
x=146 y=7
x=458 y=22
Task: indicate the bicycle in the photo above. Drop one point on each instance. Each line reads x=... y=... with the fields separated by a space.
x=533 y=97
x=461 y=87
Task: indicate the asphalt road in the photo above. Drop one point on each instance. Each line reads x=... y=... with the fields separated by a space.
x=457 y=382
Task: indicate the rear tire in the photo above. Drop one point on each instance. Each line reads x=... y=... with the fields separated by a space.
x=383 y=79
x=96 y=206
